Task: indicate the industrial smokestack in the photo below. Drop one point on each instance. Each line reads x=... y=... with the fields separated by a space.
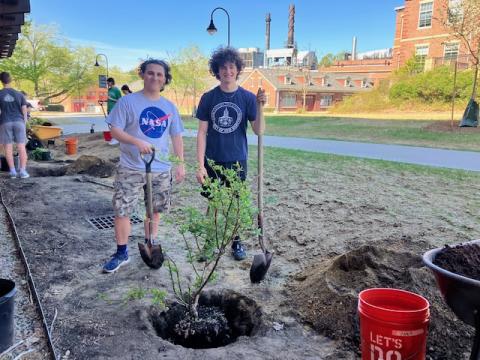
x=354 y=48
x=291 y=22
x=268 y=19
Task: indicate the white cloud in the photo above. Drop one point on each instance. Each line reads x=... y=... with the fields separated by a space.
x=124 y=57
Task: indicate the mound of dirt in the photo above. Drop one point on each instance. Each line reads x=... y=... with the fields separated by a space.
x=91 y=165
x=326 y=296
x=85 y=164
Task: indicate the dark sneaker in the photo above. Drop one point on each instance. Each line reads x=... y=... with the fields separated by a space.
x=238 y=252
x=115 y=262
x=13 y=174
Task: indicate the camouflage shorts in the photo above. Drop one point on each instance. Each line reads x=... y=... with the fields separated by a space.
x=129 y=184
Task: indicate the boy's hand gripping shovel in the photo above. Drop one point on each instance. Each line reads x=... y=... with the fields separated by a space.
x=261 y=262
x=151 y=254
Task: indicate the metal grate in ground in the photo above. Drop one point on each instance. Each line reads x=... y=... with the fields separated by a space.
x=107 y=222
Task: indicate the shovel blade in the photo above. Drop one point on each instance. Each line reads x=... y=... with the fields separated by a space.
x=152 y=255
x=260 y=266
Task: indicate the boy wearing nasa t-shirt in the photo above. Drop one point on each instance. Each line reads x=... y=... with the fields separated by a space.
x=140 y=121
x=223 y=114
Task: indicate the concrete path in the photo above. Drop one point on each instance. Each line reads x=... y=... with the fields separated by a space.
x=453 y=159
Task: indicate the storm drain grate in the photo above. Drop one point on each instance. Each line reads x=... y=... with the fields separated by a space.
x=107 y=222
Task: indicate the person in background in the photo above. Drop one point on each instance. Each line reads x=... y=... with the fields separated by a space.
x=125 y=90
x=113 y=96
x=224 y=113
x=142 y=121
x=13 y=121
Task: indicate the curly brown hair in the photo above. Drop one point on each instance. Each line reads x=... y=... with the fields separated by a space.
x=221 y=56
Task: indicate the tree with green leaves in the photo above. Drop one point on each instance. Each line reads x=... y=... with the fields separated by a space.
x=207 y=235
x=329 y=59
x=463 y=21
x=190 y=74
x=46 y=60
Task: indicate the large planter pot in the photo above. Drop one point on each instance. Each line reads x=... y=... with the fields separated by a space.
x=7 y=305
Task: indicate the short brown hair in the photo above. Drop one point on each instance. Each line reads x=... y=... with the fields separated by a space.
x=5 y=77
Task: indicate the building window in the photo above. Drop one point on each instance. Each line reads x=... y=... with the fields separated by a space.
x=366 y=83
x=421 y=53
x=289 y=100
x=326 y=100
x=451 y=51
x=348 y=82
x=326 y=81
x=425 y=17
x=288 y=80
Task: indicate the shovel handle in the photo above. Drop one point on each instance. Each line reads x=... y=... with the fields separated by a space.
x=148 y=170
x=148 y=163
x=260 y=181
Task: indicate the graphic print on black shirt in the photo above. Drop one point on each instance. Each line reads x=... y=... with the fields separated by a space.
x=226 y=117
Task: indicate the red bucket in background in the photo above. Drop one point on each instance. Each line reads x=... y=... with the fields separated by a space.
x=107 y=135
x=393 y=324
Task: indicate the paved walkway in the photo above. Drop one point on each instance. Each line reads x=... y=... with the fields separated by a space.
x=454 y=159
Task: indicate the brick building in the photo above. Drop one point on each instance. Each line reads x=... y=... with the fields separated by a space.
x=287 y=89
x=87 y=101
x=420 y=30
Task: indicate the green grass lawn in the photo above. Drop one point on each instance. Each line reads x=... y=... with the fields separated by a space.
x=404 y=132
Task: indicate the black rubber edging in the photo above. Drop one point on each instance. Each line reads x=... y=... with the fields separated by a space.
x=31 y=283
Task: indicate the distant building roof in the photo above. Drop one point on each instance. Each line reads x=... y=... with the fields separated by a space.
x=280 y=52
x=272 y=76
x=376 y=54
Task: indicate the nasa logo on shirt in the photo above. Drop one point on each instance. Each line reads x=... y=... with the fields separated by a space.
x=226 y=117
x=153 y=122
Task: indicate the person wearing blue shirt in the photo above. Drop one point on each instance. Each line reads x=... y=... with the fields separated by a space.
x=224 y=113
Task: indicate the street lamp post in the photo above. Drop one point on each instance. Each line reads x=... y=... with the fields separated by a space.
x=212 y=29
x=106 y=60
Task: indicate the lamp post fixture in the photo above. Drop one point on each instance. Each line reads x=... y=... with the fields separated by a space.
x=212 y=29
x=106 y=60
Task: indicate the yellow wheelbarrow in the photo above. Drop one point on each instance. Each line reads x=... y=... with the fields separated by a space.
x=37 y=134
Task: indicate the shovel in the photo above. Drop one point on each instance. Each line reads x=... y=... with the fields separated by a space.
x=261 y=262
x=151 y=254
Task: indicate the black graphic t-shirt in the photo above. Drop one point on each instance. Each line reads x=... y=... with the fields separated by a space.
x=11 y=102
x=227 y=115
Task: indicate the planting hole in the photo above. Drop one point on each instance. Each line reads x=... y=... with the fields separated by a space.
x=223 y=316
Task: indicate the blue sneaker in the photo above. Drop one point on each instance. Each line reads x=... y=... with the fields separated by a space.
x=115 y=262
x=13 y=174
x=238 y=252
x=23 y=174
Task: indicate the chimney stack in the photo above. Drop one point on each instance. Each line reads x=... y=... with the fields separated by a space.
x=268 y=19
x=291 y=22
x=354 y=48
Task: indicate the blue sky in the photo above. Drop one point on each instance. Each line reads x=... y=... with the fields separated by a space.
x=127 y=30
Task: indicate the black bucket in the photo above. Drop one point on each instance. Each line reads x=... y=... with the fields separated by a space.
x=3 y=163
x=7 y=325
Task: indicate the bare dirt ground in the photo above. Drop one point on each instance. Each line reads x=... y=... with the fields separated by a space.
x=449 y=126
x=320 y=210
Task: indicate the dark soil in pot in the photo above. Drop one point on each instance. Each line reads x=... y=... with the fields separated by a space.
x=462 y=260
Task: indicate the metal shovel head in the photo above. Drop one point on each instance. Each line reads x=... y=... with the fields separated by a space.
x=260 y=265
x=152 y=255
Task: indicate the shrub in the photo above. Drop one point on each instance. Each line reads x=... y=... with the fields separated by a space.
x=55 y=107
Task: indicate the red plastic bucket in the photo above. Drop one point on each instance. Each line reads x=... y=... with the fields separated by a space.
x=393 y=324
x=107 y=135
